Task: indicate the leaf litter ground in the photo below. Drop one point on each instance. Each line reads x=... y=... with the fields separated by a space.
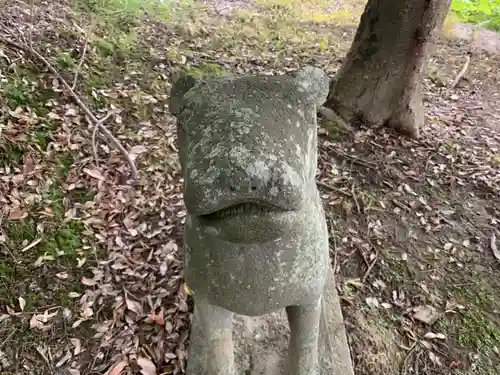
x=91 y=265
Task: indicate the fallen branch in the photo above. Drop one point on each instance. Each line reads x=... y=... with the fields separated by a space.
x=332 y=188
x=462 y=72
x=369 y=269
x=352 y=158
x=80 y=64
x=94 y=136
x=92 y=118
x=405 y=361
x=353 y=192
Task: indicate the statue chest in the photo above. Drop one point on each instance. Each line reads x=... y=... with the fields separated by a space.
x=258 y=278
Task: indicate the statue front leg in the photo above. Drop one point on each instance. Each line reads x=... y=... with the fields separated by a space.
x=211 y=341
x=304 y=323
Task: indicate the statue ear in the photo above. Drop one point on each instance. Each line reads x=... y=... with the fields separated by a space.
x=182 y=83
x=314 y=81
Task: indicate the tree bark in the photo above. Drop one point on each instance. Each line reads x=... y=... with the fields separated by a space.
x=380 y=80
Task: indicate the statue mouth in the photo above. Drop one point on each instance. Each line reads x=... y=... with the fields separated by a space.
x=243 y=209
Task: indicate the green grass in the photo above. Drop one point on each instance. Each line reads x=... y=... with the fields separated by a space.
x=483 y=13
x=123 y=13
x=10 y=155
x=318 y=11
x=16 y=92
x=58 y=238
x=477 y=330
x=207 y=71
x=58 y=250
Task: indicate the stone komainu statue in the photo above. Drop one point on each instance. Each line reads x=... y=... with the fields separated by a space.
x=256 y=238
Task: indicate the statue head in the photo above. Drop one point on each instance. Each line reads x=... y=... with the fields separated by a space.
x=247 y=148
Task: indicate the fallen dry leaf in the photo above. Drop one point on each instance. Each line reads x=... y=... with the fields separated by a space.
x=62 y=275
x=134 y=306
x=426 y=314
x=118 y=368
x=81 y=262
x=156 y=318
x=136 y=151
x=94 y=173
x=17 y=213
x=432 y=336
x=435 y=359
x=22 y=303
x=88 y=282
x=77 y=344
x=147 y=366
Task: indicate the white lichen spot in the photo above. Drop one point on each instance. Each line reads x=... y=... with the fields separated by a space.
x=193 y=174
x=211 y=175
x=239 y=154
x=289 y=106
x=298 y=151
x=215 y=151
x=274 y=191
x=300 y=112
x=258 y=169
x=290 y=176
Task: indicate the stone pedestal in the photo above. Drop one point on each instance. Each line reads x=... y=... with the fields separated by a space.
x=261 y=343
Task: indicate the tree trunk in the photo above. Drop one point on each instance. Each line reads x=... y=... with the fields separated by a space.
x=380 y=80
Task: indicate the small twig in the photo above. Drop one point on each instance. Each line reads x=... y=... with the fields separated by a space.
x=462 y=72
x=31 y=245
x=94 y=136
x=417 y=370
x=94 y=120
x=405 y=361
x=6 y=340
x=332 y=188
x=80 y=64
x=364 y=257
x=401 y=205
x=11 y=43
x=355 y=199
x=370 y=268
x=34 y=17
x=44 y=357
x=374 y=261
x=353 y=159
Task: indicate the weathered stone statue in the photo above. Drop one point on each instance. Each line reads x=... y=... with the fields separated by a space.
x=256 y=238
